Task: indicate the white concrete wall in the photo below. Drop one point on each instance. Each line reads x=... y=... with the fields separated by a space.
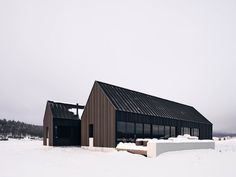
x=90 y=142
x=155 y=148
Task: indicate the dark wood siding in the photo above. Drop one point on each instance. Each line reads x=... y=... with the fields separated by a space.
x=48 y=124
x=101 y=113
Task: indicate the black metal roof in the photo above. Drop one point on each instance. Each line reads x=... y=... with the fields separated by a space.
x=62 y=110
x=135 y=102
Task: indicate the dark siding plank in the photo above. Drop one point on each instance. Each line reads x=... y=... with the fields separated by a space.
x=101 y=113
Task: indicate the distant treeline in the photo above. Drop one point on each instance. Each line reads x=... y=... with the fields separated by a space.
x=220 y=134
x=19 y=129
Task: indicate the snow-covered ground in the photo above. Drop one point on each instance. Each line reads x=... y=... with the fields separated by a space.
x=29 y=158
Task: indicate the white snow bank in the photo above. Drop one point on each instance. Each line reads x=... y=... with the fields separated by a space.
x=98 y=149
x=130 y=146
x=184 y=138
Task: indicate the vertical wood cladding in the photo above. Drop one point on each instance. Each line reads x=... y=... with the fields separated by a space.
x=100 y=112
x=48 y=124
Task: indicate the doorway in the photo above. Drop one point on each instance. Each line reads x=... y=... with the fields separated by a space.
x=90 y=130
x=47 y=137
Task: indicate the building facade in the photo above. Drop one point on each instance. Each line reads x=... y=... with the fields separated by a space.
x=114 y=114
x=61 y=124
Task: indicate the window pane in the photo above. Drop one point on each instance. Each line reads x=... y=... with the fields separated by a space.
x=196 y=132
x=167 y=131
x=161 y=131
x=147 y=130
x=121 y=127
x=186 y=130
x=192 y=131
x=121 y=131
x=139 y=129
x=155 y=130
x=172 y=132
x=130 y=127
x=129 y=131
x=182 y=130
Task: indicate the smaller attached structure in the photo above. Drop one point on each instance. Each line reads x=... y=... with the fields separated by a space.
x=61 y=124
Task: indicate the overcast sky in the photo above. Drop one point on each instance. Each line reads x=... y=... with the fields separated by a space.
x=182 y=50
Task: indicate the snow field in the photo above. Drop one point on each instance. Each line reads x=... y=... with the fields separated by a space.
x=29 y=158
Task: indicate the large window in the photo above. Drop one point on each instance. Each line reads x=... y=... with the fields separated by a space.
x=186 y=130
x=182 y=130
x=121 y=127
x=196 y=132
x=155 y=132
x=130 y=127
x=173 y=132
x=125 y=131
x=192 y=131
x=139 y=129
x=167 y=131
x=147 y=130
x=161 y=131
x=130 y=131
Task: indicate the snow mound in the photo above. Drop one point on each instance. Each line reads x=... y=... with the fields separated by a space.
x=130 y=146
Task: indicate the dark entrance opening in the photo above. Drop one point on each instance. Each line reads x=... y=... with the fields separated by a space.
x=90 y=130
x=47 y=137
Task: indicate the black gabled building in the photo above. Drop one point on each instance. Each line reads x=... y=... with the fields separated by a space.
x=113 y=114
x=61 y=124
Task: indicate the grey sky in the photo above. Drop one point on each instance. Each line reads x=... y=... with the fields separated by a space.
x=179 y=50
